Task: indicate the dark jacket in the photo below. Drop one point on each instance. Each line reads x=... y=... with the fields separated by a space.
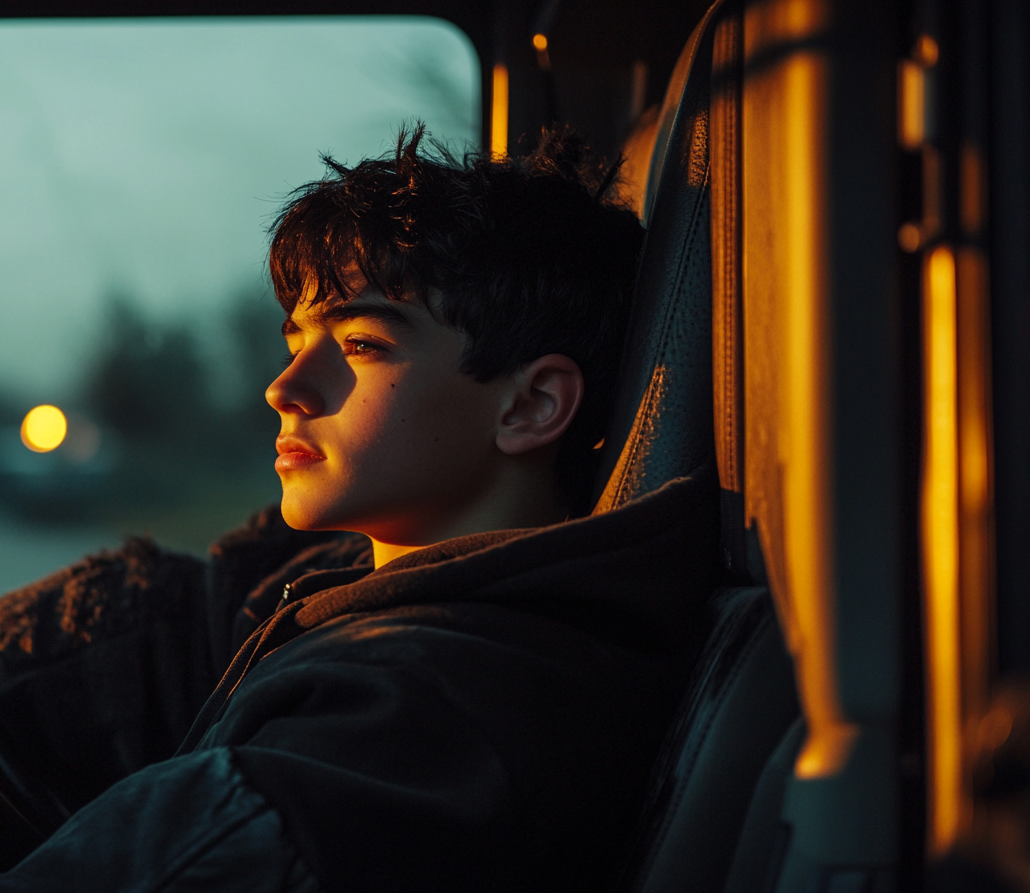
x=477 y=715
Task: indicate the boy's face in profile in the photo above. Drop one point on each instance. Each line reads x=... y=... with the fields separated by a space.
x=381 y=433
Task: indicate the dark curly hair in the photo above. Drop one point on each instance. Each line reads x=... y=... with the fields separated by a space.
x=531 y=255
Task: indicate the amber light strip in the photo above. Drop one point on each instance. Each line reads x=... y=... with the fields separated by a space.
x=787 y=340
x=976 y=513
x=807 y=505
x=499 y=113
x=911 y=104
x=940 y=550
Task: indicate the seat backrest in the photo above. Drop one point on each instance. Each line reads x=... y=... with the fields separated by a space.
x=741 y=700
x=788 y=353
x=765 y=837
x=660 y=426
x=739 y=708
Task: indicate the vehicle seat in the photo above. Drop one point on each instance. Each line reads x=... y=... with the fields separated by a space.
x=741 y=707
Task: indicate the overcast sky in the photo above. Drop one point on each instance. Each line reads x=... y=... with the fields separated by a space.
x=146 y=159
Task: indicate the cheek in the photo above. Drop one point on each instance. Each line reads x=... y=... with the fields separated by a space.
x=440 y=427
x=369 y=416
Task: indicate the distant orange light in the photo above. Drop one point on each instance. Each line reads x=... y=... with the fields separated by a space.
x=44 y=428
x=540 y=42
x=994 y=728
x=499 y=115
x=971 y=189
x=927 y=51
x=910 y=237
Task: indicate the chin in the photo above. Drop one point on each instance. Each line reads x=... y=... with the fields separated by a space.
x=304 y=511
x=294 y=520
x=302 y=517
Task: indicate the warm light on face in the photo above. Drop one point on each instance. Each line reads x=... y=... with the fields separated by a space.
x=381 y=432
x=44 y=428
x=940 y=546
x=499 y=116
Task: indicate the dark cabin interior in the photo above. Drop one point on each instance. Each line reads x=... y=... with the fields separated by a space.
x=589 y=79
x=601 y=66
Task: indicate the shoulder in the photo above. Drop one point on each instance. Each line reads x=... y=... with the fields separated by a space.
x=100 y=597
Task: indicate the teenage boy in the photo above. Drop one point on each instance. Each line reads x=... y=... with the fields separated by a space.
x=472 y=706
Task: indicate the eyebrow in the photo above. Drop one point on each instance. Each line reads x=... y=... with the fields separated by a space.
x=338 y=312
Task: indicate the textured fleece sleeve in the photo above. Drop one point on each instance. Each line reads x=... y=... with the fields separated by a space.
x=188 y=824
x=465 y=748
x=104 y=665
x=102 y=668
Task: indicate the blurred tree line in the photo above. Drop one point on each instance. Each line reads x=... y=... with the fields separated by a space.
x=187 y=439
x=150 y=382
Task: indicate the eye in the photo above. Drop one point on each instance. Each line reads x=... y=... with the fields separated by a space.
x=355 y=345
x=287 y=360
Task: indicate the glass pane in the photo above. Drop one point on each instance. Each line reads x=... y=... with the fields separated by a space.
x=140 y=164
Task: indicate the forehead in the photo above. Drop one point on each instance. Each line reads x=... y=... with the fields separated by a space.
x=367 y=305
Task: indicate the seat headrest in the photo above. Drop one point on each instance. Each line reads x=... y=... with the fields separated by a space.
x=661 y=424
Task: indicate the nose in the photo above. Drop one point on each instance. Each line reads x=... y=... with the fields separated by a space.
x=296 y=391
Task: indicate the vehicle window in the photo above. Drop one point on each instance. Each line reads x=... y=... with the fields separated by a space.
x=140 y=164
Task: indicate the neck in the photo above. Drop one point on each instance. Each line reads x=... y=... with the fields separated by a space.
x=384 y=552
x=525 y=503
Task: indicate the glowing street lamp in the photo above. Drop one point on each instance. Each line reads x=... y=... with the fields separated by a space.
x=44 y=428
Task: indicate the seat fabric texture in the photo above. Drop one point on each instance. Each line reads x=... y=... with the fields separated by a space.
x=661 y=423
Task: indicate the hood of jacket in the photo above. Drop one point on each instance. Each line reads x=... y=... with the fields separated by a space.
x=637 y=577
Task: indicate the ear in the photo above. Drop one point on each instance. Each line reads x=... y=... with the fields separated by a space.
x=540 y=405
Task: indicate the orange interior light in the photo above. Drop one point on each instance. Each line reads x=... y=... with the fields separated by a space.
x=940 y=549
x=806 y=473
x=499 y=113
x=911 y=104
x=909 y=237
x=787 y=336
x=927 y=50
x=971 y=189
x=540 y=42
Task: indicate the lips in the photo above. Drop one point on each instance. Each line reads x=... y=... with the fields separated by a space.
x=295 y=454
